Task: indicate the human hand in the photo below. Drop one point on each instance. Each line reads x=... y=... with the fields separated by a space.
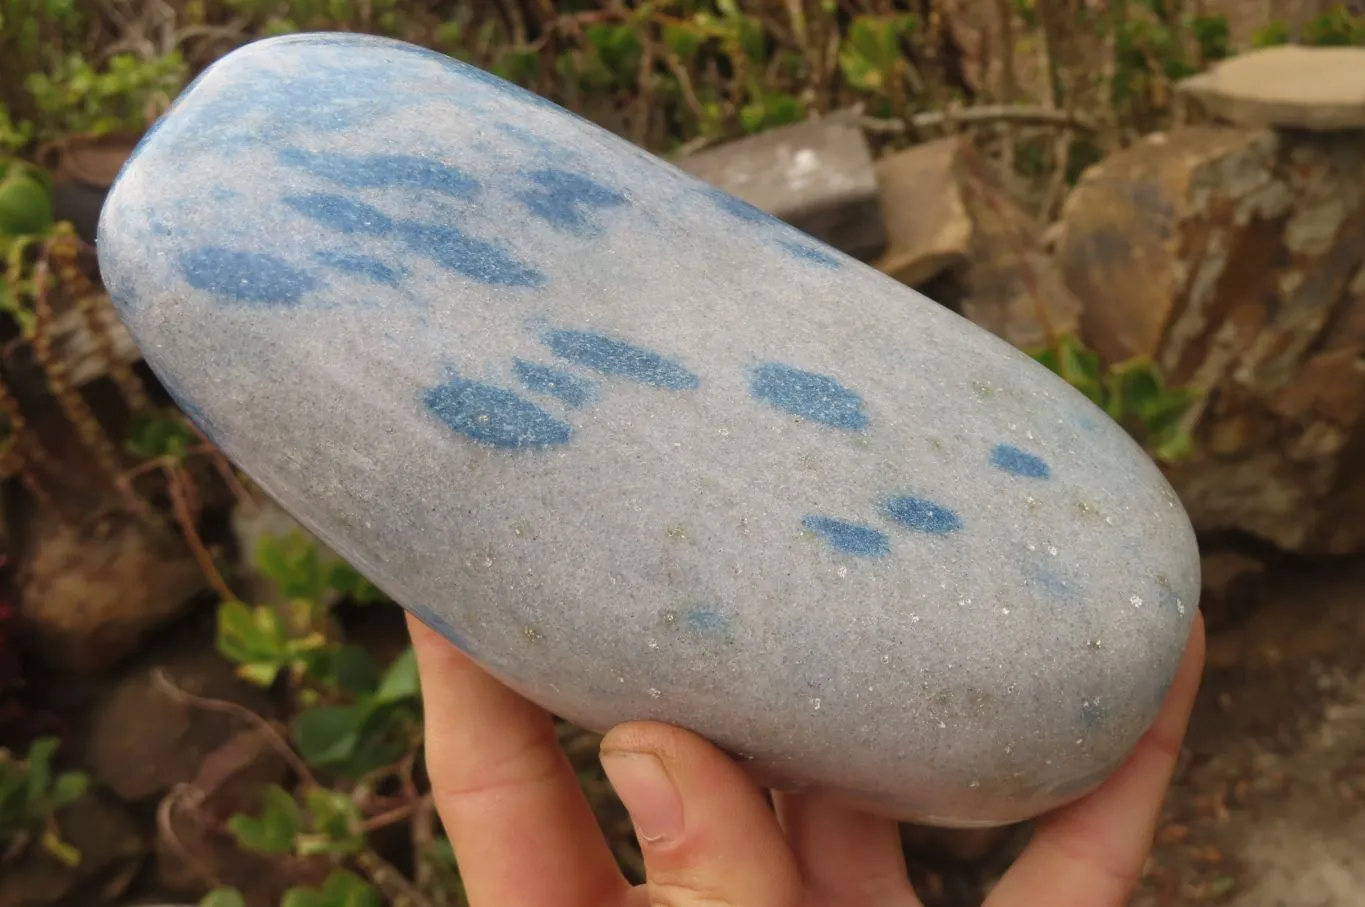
x=524 y=835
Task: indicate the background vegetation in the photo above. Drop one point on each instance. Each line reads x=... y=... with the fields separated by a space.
x=1066 y=83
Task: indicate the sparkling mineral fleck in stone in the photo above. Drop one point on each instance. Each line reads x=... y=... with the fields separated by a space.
x=641 y=450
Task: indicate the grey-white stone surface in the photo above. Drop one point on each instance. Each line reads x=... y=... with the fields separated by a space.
x=641 y=450
x=816 y=175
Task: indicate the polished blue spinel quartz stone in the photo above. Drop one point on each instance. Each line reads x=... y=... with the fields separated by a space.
x=641 y=450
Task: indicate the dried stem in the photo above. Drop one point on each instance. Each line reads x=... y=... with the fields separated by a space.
x=64 y=251
x=193 y=797
x=423 y=834
x=17 y=457
x=267 y=729
x=395 y=815
x=68 y=397
x=178 y=486
x=397 y=889
x=641 y=116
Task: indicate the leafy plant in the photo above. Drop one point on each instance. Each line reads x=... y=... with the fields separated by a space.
x=1338 y=27
x=124 y=96
x=1133 y=394
x=328 y=822
x=341 y=888
x=871 y=57
x=30 y=797
x=380 y=722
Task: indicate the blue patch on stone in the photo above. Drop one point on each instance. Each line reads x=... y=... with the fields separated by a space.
x=494 y=416
x=257 y=277
x=342 y=214
x=441 y=626
x=810 y=253
x=849 y=538
x=808 y=395
x=476 y=259
x=361 y=265
x=706 y=622
x=1054 y=583
x=568 y=389
x=922 y=515
x=565 y=200
x=383 y=171
x=1019 y=463
x=738 y=207
x=620 y=359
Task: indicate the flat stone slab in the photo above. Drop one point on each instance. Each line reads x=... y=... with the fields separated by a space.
x=928 y=227
x=817 y=175
x=642 y=450
x=1288 y=86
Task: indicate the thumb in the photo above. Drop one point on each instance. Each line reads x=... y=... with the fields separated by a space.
x=706 y=830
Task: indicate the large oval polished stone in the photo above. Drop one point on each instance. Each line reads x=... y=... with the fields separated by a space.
x=641 y=450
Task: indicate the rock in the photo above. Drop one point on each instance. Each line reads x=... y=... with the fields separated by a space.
x=1229 y=576
x=1288 y=86
x=816 y=175
x=928 y=228
x=143 y=742
x=195 y=849
x=112 y=848
x=89 y=593
x=642 y=450
x=946 y=219
x=1232 y=257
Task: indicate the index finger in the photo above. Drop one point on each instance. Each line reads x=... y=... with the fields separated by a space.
x=1090 y=854
x=518 y=822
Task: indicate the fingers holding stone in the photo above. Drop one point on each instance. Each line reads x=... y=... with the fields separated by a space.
x=1090 y=854
x=505 y=791
x=706 y=830
x=847 y=858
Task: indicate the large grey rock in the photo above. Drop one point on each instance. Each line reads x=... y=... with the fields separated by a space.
x=1287 y=86
x=816 y=175
x=641 y=450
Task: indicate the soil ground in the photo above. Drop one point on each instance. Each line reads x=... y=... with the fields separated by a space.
x=1268 y=807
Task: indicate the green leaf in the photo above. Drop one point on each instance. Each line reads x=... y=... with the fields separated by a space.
x=401 y=680
x=387 y=733
x=223 y=897
x=1271 y=34
x=68 y=788
x=349 y=667
x=336 y=824
x=517 y=64
x=39 y=766
x=275 y=829
x=341 y=889
x=292 y=562
x=346 y=889
x=617 y=47
x=157 y=435
x=25 y=205
x=328 y=736
x=682 y=41
x=254 y=639
x=350 y=583
x=771 y=110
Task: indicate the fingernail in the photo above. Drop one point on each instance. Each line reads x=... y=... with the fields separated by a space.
x=648 y=794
